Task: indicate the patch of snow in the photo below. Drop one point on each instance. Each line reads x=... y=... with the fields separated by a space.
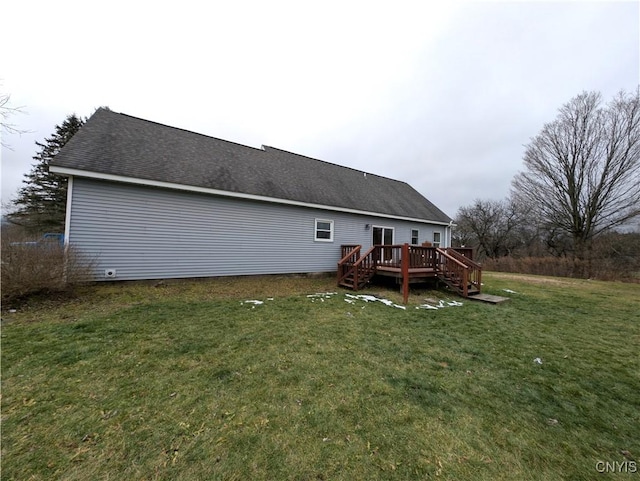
x=362 y=297
x=321 y=295
x=441 y=305
x=509 y=291
x=427 y=306
x=368 y=298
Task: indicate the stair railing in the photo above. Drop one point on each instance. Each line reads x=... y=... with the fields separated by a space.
x=350 y=254
x=475 y=269
x=365 y=267
x=454 y=272
x=360 y=268
x=348 y=249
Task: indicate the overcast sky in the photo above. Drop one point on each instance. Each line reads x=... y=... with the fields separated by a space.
x=443 y=95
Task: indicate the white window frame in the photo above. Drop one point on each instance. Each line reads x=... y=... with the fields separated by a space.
x=437 y=243
x=417 y=231
x=316 y=230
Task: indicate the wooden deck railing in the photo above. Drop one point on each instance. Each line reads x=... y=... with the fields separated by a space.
x=453 y=267
x=355 y=269
x=453 y=271
x=419 y=256
x=388 y=255
x=465 y=251
x=347 y=249
x=350 y=255
x=422 y=257
x=475 y=269
x=365 y=267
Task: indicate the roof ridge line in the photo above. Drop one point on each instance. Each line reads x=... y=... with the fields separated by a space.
x=333 y=164
x=259 y=149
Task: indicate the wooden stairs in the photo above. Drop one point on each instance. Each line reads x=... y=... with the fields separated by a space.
x=354 y=270
x=466 y=281
x=409 y=264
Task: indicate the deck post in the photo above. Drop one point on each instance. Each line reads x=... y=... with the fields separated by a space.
x=465 y=281
x=405 y=272
x=356 y=280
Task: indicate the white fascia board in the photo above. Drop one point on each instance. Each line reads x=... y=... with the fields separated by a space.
x=225 y=193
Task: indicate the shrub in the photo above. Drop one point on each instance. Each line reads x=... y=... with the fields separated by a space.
x=35 y=266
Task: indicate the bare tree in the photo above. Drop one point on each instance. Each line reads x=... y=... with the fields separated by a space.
x=7 y=111
x=495 y=227
x=583 y=169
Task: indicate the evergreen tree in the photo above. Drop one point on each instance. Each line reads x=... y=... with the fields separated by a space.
x=41 y=203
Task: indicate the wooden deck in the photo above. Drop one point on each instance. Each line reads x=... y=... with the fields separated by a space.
x=410 y=264
x=416 y=274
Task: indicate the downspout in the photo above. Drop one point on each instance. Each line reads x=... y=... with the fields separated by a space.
x=67 y=216
x=67 y=227
x=451 y=224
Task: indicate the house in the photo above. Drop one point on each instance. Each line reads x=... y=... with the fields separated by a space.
x=149 y=201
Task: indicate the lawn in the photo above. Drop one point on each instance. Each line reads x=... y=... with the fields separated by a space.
x=188 y=381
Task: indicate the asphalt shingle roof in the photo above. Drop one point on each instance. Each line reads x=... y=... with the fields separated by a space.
x=121 y=145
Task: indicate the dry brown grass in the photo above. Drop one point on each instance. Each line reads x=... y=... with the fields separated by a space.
x=599 y=268
x=534 y=279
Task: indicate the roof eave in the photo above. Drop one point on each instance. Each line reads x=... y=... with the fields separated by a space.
x=204 y=190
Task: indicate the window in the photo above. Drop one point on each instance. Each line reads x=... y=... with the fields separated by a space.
x=436 y=239
x=324 y=230
x=414 y=236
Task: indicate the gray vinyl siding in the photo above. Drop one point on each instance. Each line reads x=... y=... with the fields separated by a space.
x=151 y=233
